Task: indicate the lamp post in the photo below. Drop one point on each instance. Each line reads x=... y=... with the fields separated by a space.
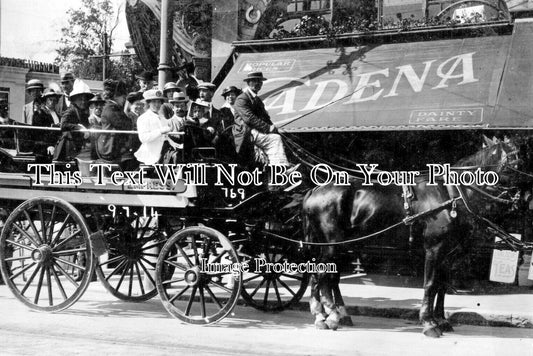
x=163 y=67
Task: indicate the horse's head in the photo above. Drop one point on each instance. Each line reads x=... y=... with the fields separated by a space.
x=496 y=155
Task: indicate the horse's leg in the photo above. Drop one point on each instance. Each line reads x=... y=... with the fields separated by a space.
x=430 y=290
x=315 y=306
x=326 y=298
x=345 y=318
x=443 y=324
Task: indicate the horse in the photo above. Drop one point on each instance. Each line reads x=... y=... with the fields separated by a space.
x=438 y=216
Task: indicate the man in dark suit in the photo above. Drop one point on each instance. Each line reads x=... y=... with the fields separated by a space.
x=67 y=84
x=250 y=110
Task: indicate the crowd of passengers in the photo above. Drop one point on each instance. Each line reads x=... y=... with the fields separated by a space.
x=169 y=124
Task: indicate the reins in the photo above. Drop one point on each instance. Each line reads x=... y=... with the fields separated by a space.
x=407 y=221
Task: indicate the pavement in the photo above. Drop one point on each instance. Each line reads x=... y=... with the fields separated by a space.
x=487 y=303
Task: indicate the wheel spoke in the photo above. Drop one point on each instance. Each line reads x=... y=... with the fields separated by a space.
x=141 y=285
x=60 y=231
x=175 y=280
x=286 y=287
x=22 y=271
x=25 y=233
x=69 y=252
x=73 y=265
x=52 y=225
x=39 y=285
x=147 y=273
x=171 y=300
x=26 y=247
x=176 y=264
x=257 y=288
x=292 y=276
x=33 y=227
x=158 y=243
x=128 y=264
x=221 y=286
x=74 y=234
x=28 y=282
x=116 y=268
x=58 y=282
x=64 y=273
x=213 y=296
x=265 y=299
x=114 y=259
x=202 y=301
x=130 y=286
x=10 y=259
x=191 y=299
x=219 y=257
x=151 y=264
x=193 y=245
x=277 y=292
x=49 y=282
x=43 y=226
x=184 y=255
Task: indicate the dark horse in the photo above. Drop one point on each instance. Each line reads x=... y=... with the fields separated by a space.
x=333 y=214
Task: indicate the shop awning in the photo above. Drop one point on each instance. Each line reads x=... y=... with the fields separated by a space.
x=480 y=82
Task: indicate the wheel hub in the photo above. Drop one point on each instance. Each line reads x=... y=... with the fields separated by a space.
x=43 y=254
x=192 y=276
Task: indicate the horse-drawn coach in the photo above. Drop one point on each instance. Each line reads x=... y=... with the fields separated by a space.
x=200 y=245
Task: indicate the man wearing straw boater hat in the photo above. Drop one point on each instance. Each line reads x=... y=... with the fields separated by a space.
x=250 y=110
x=35 y=89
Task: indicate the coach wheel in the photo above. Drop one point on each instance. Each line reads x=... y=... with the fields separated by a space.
x=45 y=254
x=128 y=270
x=202 y=289
x=268 y=285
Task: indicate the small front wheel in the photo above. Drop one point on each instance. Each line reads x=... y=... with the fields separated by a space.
x=206 y=279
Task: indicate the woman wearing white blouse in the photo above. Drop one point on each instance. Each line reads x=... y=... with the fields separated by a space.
x=151 y=128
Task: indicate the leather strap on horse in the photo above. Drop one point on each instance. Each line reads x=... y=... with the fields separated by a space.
x=509 y=239
x=407 y=221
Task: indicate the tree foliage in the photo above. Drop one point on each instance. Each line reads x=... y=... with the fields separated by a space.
x=89 y=32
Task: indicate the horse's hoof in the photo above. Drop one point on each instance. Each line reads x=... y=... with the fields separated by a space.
x=432 y=331
x=321 y=325
x=333 y=320
x=445 y=326
x=346 y=321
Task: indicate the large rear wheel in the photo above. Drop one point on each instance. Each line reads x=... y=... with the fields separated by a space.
x=45 y=254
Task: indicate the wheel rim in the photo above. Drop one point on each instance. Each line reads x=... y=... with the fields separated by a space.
x=45 y=254
x=193 y=293
x=269 y=290
x=128 y=270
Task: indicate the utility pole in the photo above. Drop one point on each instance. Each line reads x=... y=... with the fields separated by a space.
x=163 y=67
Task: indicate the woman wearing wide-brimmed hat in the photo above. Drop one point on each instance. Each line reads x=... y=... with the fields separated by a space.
x=152 y=128
x=73 y=120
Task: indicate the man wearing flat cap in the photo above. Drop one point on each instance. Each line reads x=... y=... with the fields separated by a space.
x=250 y=110
x=214 y=117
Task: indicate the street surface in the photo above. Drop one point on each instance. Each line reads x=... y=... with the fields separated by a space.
x=99 y=324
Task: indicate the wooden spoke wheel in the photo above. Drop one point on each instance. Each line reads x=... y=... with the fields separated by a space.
x=202 y=289
x=268 y=285
x=128 y=270
x=45 y=254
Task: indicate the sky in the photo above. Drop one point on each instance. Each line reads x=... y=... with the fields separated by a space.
x=30 y=29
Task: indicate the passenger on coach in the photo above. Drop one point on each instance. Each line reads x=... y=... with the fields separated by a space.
x=152 y=128
x=45 y=141
x=180 y=104
x=145 y=80
x=7 y=136
x=114 y=147
x=67 y=85
x=136 y=109
x=214 y=117
x=251 y=111
x=235 y=133
x=35 y=89
x=73 y=120
x=169 y=89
